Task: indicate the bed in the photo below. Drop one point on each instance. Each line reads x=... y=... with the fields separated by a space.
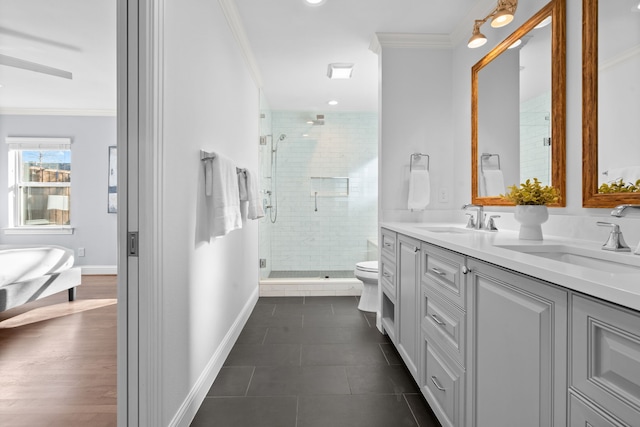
x=28 y=273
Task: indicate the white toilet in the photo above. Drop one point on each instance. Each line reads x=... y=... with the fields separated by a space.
x=367 y=273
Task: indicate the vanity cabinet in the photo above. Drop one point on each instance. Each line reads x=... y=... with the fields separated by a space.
x=443 y=326
x=387 y=282
x=517 y=349
x=408 y=264
x=492 y=347
x=605 y=367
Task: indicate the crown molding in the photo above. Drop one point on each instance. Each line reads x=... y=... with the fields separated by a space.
x=237 y=28
x=56 y=112
x=406 y=40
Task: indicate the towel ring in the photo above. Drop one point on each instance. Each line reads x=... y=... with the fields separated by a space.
x=416 y=156
x=485 y=156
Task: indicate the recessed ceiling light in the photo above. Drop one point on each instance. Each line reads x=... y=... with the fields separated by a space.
x=315 y=2
x=333 y=102
x=339 y=71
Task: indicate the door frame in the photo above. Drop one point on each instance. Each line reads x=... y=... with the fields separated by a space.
x=140 y=125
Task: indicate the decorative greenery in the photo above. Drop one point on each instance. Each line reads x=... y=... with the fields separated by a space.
x=532 y=193
x=620 y=187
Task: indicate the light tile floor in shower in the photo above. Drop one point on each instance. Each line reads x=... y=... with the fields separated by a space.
x=312 y=274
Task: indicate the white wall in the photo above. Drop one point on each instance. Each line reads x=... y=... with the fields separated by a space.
x=210 y=102
x=415 y=116
x=94 y=228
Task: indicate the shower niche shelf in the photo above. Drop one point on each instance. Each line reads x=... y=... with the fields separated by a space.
x=329 y=186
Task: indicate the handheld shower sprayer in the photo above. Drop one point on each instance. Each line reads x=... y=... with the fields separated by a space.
x=273 y=211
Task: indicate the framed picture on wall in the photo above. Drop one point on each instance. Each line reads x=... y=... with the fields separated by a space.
x=112 y=204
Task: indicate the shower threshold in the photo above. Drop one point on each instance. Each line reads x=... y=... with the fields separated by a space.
x=312 y=274
x=310 y=283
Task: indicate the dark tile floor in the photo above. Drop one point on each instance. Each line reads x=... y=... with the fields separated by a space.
x=313 y=362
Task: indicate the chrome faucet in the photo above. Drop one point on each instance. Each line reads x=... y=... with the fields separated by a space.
x=615 y=242
x=478 y=224
x=618 y=211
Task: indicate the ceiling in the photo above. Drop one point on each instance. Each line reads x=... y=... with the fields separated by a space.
x=292 y=44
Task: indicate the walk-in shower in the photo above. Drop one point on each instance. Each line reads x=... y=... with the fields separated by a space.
x=319 y=179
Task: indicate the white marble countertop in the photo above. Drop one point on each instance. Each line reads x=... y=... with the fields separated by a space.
x=618 y=288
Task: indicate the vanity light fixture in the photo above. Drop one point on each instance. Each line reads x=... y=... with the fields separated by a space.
x=339 y=71
x=515 y=44
x=546 y=21
x=500 y=16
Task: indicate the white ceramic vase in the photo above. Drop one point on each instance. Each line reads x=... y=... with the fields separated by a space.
x=531 y=218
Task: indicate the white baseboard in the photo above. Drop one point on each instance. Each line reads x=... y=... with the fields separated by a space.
x=95 y=270
x=198 y=392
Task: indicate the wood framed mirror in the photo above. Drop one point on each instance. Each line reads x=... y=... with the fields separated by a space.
x=610 y=103
x=506 y=106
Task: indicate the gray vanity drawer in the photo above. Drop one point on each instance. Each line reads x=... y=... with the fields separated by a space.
x=444 y=323
x=388 y=243
x=387 y=277
x=605 y=363
x=582 y=413
x=442 y=384
x=442 y=271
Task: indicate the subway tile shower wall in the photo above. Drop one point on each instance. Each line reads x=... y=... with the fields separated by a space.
x=330 y=231
x=535 y=126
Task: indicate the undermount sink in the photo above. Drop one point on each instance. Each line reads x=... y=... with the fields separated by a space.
x=445 y=229
x=611 y=262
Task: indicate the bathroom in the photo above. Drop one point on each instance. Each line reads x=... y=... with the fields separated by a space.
x=187 y=324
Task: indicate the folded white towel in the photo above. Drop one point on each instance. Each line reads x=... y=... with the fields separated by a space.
x=208 y=176
x=419 y=189
x=493 y=182
x=254 y=210
x=242 y=185
x=225 y=198
x=629 y=174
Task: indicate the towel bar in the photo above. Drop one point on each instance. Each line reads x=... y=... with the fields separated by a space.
x=417 y=156
x=486 y=156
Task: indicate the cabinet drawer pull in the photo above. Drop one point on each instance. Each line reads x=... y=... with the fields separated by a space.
x=465 y=270
x=387 y=275
x=438 y=321
x=438 y=272
x=415 y=250
x=387 y=244
x=435 y=382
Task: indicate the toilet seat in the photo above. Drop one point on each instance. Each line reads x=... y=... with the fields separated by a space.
x=367 y=266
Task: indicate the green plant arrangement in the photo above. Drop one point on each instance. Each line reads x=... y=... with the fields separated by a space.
x=532 y=193
x=620 y=187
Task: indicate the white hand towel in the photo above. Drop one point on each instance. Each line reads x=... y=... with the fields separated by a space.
x=225 y=198
x=493 y=182
x=419 y=189
x=208 y=176
x=255 y=210
x=242 y=185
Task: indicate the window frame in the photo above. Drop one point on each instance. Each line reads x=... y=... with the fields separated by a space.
x=16 y=145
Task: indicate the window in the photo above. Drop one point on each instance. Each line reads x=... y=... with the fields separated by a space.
x=39 y=182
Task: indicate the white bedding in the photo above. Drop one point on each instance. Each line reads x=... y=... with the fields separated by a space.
x=22 y=263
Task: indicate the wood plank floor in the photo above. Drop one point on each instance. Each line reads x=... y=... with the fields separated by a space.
x=58 y=359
